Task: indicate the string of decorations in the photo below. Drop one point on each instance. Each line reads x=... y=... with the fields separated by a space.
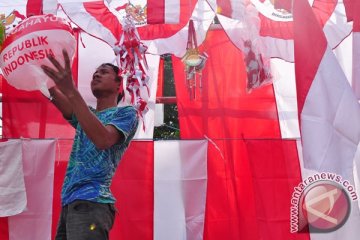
x=130 y=52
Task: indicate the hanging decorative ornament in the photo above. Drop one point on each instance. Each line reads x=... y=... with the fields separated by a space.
x=257 y=74
x=194 y=62
x=130 y=52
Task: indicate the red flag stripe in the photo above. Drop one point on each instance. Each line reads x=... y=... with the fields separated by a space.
x=155 y=11
x=34 y=7
x=284 y=30
x=356 y=16
x=307 y=34
x=4 y=229
x=349 y=9
x=224 y=8
x=102 y=14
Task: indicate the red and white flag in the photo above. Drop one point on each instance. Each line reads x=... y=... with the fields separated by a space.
x=163 y=11
x=180 y=184
x=277 y=24
x=356 y=48
x=38 y=157
x=329 y=113
x=94 y=17
x=12 y=186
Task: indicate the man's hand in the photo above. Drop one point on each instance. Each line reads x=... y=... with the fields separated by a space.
x=61 y=76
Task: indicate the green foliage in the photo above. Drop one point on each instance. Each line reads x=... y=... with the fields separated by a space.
x=2 y=34
x=170 y=128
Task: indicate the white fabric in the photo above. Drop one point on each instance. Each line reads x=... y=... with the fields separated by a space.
x=50 y=6
x=12 y=5
x=330 y=120
x=172 y=11
x=356 y=64
x=78 y=14
x=285 y=94
x=12 y=186
x=336 y=29
x=285 y=88
x=343 y=52
x=36 y=221
x=180 y=179
x=350 y=230
x=203 y=17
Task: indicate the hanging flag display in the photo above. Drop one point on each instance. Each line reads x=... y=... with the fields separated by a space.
x=194 y=62
x=26 y=47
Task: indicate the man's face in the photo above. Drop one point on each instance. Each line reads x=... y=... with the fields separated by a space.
x=103 y=82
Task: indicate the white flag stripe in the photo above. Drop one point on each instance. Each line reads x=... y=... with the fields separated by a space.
x=356 y=64
x=176 y=44
x=330 y=120
x=285 y=95
x=172 y=11
x=78 y=14
x=180 y=181
x=12 y=186
x=50 y=6
x=238 y=9
x=350 y=230
x=36 y=221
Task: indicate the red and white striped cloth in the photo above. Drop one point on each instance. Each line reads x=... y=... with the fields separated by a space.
x=38 y=159
x=163 y=11
x=328 y=111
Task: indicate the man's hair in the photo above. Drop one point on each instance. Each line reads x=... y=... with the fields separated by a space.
x=116 y=70
x=118 y=78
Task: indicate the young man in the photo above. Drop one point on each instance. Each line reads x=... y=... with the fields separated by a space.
x=102 y=135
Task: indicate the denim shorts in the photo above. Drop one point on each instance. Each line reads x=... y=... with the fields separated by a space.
x=85 y=220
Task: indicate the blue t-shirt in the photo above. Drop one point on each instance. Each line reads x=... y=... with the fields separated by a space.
x=90 y=170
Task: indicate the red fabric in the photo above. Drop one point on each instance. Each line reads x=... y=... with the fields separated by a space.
x=283 y=4
x=132 y=187
x=155 y=11
x=4 y=233
x=223 y=102
x=224 y=8
x=102 y=14
x=250 y=182
x=306 y=34
x=34 y=7
x=1 y=82
x=275 y=171
x=154 y=31
x=75 y=65
x=284 y=30
x=356 y=16
x=349 y=9
x=160 y=82
x=31 y=115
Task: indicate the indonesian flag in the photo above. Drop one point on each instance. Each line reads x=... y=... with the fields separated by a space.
x=276 y=25
x=356 y=48
x=35 y=222
x=157 y=197
x=328 y=110
x=163 y=11
x=102 y=20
